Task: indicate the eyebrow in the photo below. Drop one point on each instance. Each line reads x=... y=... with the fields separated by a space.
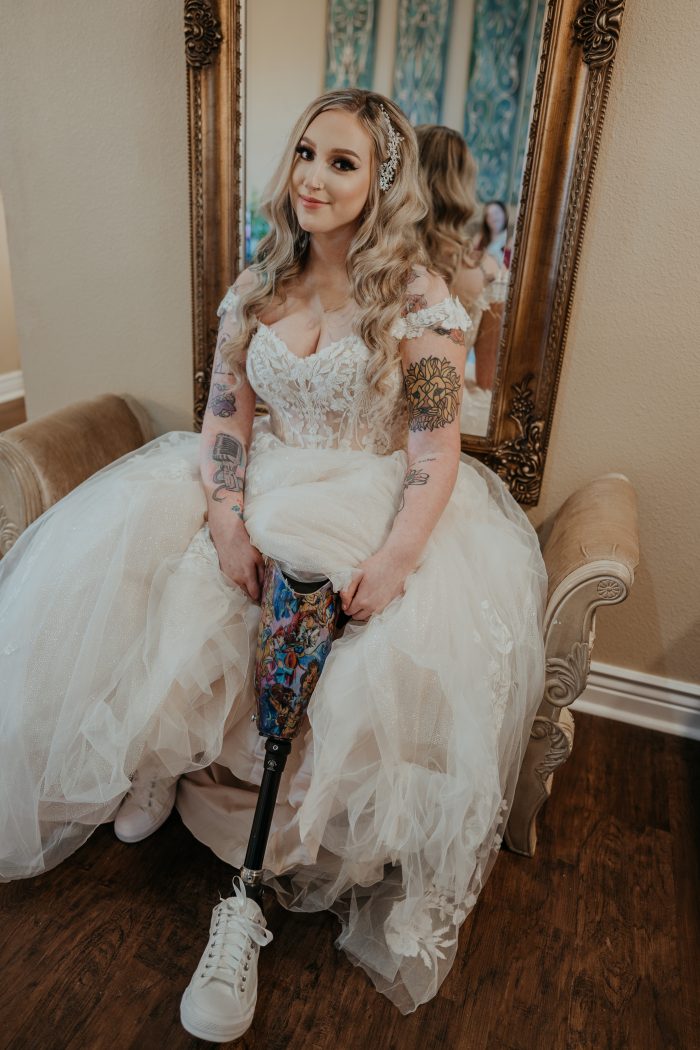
x=336 y=149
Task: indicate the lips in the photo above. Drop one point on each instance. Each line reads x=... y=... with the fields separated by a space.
x=310 y=200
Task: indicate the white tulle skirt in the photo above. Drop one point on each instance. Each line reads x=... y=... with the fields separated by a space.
x=122 y=645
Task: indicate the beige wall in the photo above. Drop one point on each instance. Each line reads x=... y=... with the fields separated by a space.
x=629 y=395
x=93 y=171
x=286 y=65
x=9 y=354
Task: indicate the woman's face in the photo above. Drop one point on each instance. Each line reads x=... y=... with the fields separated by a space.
x=331 y=173
x=495 y=218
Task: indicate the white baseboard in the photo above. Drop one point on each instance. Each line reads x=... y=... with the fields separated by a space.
x=11 y=386
x=642 y=699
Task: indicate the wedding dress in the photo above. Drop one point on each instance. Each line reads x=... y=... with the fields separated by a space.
x=122 y=645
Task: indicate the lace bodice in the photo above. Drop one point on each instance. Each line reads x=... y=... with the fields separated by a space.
x=324 y=400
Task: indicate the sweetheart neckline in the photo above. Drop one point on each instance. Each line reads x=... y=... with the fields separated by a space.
x=317 y=353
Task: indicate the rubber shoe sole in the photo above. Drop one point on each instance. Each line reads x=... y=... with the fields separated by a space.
x=198 y=1024
x=144 y=834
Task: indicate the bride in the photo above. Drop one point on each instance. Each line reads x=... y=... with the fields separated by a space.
x=129 y=611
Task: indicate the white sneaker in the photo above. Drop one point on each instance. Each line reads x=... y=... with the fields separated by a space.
x=219 y=1002
x=147 y=804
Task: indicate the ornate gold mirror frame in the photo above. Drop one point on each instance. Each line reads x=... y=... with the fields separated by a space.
x=578 y=50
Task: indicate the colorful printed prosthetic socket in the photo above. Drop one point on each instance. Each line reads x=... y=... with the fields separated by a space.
x=295 y=636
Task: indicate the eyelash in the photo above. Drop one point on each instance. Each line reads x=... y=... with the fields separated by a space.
x=343 y=160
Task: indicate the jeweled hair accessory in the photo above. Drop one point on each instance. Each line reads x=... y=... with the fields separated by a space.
x=387 y=170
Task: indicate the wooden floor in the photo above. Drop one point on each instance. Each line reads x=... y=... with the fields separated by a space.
x=592 y=944
x=12 y=413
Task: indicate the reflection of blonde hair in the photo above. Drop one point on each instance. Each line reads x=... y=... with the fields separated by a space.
x=382 y=253
x=448 y=170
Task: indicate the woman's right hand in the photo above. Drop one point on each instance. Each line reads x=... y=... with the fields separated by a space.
x=239 y=560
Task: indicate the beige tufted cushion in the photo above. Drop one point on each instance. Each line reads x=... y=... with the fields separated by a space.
x=42 y=460
x=598 y=523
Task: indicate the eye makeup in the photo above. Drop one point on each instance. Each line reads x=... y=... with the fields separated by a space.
x=348 y=165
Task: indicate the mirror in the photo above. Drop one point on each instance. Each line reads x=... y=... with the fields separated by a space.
x=467 y=65
x=548 y=129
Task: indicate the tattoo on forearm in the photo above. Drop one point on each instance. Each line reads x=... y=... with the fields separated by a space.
x=412 y=477
x=221 y=368
x=222 y=400
x=432 y=390
x=230 y=454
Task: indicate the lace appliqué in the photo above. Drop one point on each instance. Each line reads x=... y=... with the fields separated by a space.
x=499 y=670
x=412 y=933
x=448 y=910
x=495 y=291
x=324 y=400
x=449 y=313
x=229 y=302
x=201 y=552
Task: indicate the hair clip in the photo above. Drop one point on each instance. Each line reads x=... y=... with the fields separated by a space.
x=387 y=170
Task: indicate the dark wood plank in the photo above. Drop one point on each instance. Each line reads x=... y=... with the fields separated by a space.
x=12 y=413
x=683 y=777
x=593 y=943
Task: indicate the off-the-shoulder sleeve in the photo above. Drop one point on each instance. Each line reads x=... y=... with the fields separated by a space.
x=448 y=313
x=229 y=302
x=496 y=291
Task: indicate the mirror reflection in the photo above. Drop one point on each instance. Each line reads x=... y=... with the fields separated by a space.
x=463 y=71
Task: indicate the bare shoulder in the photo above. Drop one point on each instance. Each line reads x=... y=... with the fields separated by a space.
x=469 y=283
x=424 y=289
x=245 y=281
x=491 y=267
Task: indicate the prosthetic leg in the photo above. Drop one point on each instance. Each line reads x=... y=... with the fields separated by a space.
x=297 y=626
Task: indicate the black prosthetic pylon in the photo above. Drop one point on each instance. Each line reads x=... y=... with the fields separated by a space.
x=276 y=752
x=297 y=624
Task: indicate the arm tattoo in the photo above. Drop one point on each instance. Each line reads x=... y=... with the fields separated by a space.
x=412 y=477
x=432 y=390
x=222 y=400
x=413 y=304
x=455 y=335
x=230 y=454
x=220 y=366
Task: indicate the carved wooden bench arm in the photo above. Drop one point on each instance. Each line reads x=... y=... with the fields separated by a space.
x=591 y=553
x=44 y=459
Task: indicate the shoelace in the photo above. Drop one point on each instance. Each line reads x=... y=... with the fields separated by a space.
x=231 y=933
x=137 y=791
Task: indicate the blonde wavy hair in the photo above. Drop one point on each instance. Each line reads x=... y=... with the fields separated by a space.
x=448 y=174
x=382 y=253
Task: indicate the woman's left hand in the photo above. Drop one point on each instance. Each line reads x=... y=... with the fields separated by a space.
x=377 y=581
